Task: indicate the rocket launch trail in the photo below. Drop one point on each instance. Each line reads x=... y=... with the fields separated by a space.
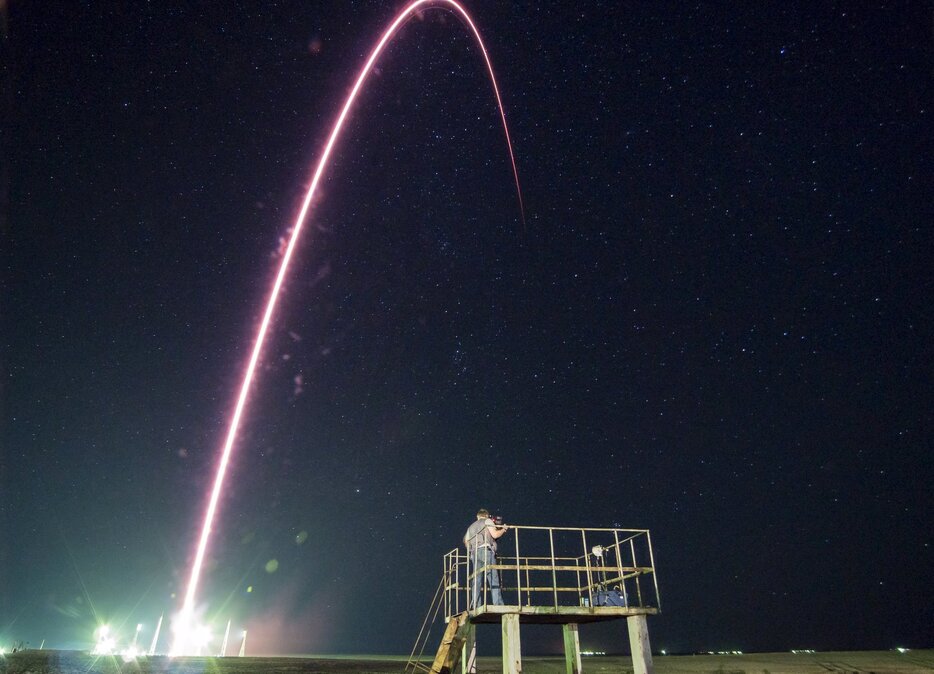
x=184 y=630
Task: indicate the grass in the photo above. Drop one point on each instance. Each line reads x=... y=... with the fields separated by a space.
x=862 y=662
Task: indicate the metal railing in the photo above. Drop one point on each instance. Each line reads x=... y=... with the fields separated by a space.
x=556 y=568
x=415 y=662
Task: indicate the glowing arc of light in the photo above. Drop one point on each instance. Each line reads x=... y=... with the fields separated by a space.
x=188 y=604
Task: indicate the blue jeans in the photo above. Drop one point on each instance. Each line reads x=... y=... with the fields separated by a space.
x=487 y=580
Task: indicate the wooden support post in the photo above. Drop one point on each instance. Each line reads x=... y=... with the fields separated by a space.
x=512 y=651
x=469 y=654
x=639 y=645
x=572 y=648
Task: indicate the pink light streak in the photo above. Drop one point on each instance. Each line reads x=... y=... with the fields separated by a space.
x=185 y=616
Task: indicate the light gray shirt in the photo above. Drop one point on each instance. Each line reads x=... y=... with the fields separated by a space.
x=478 y=534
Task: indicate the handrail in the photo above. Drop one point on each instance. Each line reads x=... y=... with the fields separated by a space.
x=607 y=574
x=528 y=527
x=414 y=662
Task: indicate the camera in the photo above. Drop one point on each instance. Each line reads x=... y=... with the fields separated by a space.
x=497 y=520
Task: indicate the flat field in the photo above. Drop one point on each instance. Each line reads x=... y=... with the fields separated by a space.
x=862 y=662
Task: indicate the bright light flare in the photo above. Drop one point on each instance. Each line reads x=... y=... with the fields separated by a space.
x=130 y=653
x=191 y=637
x=410 y=10
x=182 y=628
x=106 y=644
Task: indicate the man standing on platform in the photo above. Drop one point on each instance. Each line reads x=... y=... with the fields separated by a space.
x=480 y=540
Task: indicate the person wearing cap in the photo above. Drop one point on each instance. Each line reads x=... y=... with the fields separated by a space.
x=480 y=541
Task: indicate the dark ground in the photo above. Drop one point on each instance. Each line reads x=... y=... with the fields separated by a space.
x=73 y=662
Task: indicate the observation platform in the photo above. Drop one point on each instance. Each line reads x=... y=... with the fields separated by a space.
x=565 y=576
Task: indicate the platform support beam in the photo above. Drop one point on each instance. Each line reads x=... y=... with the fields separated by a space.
x=512 y=650
x=469 y=653
x=639 y=645
x=572 y=648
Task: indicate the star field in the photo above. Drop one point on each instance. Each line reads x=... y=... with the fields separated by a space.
x=714 y=322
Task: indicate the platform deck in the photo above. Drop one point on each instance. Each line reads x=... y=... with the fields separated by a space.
x=562 y=615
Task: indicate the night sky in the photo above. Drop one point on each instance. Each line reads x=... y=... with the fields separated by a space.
x=715 y=322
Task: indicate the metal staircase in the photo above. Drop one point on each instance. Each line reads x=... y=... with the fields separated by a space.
x=452 y=642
